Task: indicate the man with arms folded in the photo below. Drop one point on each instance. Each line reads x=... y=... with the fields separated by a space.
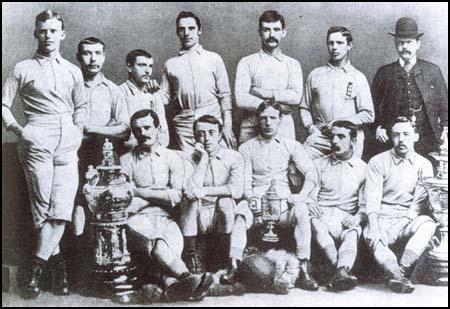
x=268 y=74
x=195 y=83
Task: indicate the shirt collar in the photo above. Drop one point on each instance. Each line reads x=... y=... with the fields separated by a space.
x=403 y=62
x=335 y=161
x=133 y=88
x=278 y=55
x=142 y=154
x=397 y=160
x=41 y=58
x=219 y=153
x=263 y=141
x=198 y=49
x=346 y=68
x=98 y=79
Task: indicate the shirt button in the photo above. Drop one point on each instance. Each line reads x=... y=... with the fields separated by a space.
x=409 y=83
x=409 y=91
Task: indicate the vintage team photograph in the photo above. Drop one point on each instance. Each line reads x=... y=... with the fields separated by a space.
x=256 y=154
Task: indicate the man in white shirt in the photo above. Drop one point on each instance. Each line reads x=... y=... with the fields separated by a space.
x=268 y=74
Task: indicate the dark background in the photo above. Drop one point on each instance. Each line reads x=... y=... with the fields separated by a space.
x=229 y=29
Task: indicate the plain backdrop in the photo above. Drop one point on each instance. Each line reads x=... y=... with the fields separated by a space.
x=229 y=29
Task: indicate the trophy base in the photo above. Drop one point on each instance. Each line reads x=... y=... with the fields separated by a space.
x=437 y=274
x=270 y=238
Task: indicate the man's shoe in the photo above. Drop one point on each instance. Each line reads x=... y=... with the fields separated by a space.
x=228 y=278
x=190 y=287
x=202 y=289
x=342 y=280
x=60 y=283
x=31 y=289
x=194 y=264
x=305 y=281
x=400 y=284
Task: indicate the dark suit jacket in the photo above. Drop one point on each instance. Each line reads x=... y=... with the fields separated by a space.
x=429 y=79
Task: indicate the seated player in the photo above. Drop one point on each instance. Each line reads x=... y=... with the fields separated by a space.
x=337 y=217
x=156 y=175
x=214 y=180
x=266 y=158
x=394 y=202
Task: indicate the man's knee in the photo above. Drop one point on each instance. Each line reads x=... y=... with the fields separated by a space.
x=424 y=224
x=226 y=207
x=301 y=213
x=318 y=227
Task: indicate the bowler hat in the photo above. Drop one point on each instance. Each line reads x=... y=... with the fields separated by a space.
x=406 y=28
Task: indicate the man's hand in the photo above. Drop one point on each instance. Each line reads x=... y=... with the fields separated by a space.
x=373 y=236
x=351 y=221
x=381 y=135
x=314 y=210
x=261 y=93
x=17 y=129
x=153 y=86
x=195 y=193
x=229 y=137
x=200 y=151
x=313 y=129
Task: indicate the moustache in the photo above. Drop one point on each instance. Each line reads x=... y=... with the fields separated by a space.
x=406 y=52
x=270 y=40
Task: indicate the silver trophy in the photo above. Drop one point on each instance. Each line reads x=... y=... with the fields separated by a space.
x=271 y=211
x=437 y=188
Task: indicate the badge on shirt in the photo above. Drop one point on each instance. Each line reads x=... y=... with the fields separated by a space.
x=349 y=91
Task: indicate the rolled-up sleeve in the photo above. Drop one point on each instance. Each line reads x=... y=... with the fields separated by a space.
x=236 y=181
x=248 y=170
x=293 y=94
x=223 y=85
x=120 y=110
x=10 y=89
x=374 y=186
x=79 y=99
x=242 y=86
x=176 y=178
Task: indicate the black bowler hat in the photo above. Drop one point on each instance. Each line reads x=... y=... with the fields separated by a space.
x=406 y=28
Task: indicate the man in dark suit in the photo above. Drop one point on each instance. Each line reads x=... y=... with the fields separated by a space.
x=409 y=87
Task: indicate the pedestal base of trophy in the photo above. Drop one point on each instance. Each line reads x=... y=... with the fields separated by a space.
x=116 y=282
x=437 y=272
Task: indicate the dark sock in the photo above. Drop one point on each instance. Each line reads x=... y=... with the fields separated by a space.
x=190 y=245
x=38 y=261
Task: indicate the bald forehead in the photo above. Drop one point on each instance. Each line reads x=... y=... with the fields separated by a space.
x=402 y=127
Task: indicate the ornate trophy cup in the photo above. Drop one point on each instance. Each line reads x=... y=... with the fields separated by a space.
x=108 y=194
x=437 y=188
x=271 y=211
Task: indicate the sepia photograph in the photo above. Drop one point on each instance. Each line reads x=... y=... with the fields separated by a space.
x=254 y=154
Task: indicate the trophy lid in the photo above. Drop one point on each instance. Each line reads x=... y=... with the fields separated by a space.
x=272 y=192
x=109 y=161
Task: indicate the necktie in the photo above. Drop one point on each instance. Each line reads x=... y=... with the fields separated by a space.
x=408 y=66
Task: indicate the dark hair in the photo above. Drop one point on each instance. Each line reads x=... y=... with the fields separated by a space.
x=185 y=14
x=132 y=55
x=271 y=17
x=401 y=119
x=208 y=119
x=48 y=14
x=90 y=41
x=270 y=103
x=142 y=114
x=348 y=125
x=344 y=31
